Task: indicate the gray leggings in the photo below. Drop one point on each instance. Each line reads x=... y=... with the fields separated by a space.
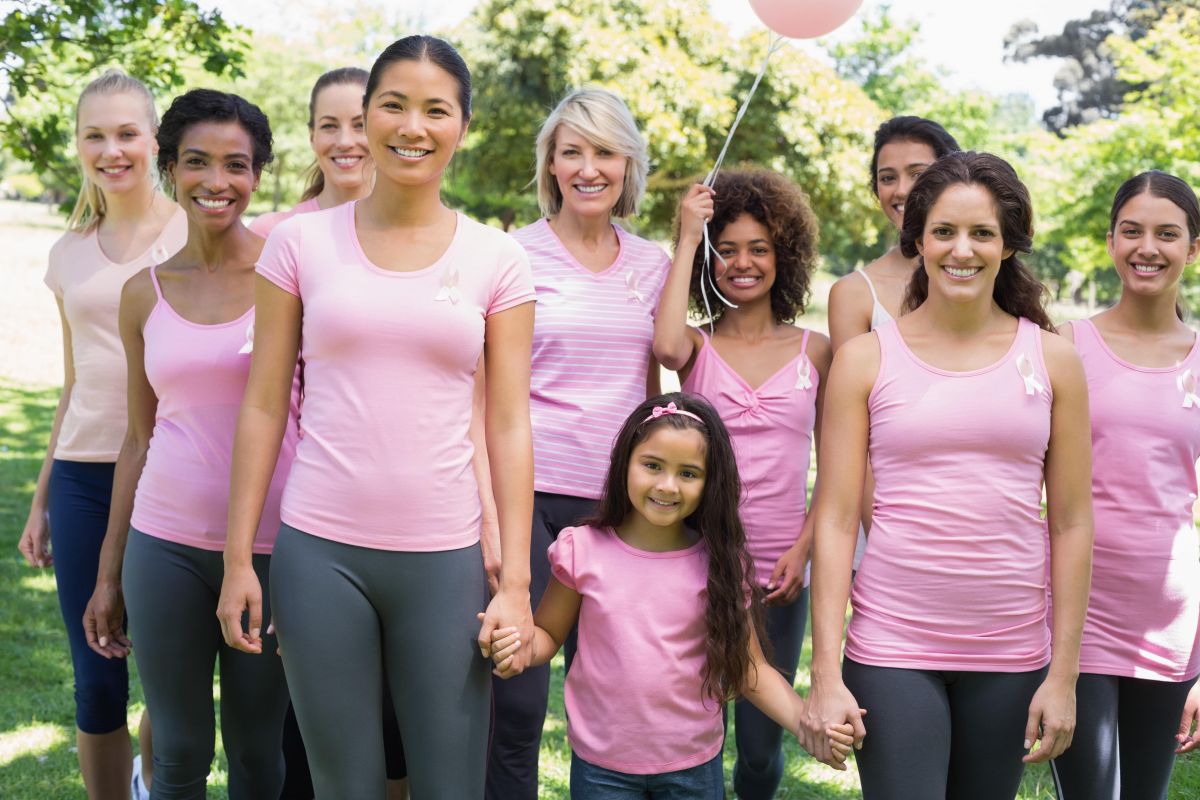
x=941 y=735
x=759 y=766
x=1124 y=745
x=171 y=593
x=344 y=616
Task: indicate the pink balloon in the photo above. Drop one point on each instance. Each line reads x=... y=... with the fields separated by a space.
x=804 y=19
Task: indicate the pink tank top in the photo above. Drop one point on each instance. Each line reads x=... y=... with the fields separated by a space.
x=198 y=372
x=954 y=578
x=1144 y=609
x=771 y=428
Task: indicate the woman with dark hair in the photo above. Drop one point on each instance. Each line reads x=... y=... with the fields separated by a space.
x=967 y=406
x=766 y=378
x=1139 y=658
x=343 y=169
x=187 y=325
x=378 y=571
x=869 y=297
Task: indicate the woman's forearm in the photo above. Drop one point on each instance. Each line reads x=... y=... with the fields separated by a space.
x=672 y=346
x=126 y=474
x=255 y=451
x=510 y=456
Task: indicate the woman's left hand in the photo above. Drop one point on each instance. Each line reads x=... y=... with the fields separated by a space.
x=787 y=579
x=508 y=609
x=1051 y=720
x=1189 y=725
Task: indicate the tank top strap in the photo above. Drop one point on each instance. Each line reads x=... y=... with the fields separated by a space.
x=1084 y=335
x=154 y=280
x=870 y=286
x=1030 y=361
x=804 y=343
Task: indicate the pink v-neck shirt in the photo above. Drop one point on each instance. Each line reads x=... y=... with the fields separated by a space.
x=592 y=343
x=771 y=426
x=198 y=373
x=955 y=575
x=264 y=224
x=633 y=696
x=1143 y=614
x=89 y=285
x=384 y=459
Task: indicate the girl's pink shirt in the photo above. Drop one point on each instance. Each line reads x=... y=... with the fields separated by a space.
x=955 y=575
x=384 y=459
x=633 y=695
x=198 y=373
x=264 y=224
x=89 y=285
x=1143 y=617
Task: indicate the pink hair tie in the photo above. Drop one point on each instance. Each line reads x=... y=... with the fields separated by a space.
x=669 y=408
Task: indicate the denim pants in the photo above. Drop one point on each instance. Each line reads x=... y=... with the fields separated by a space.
x=702 y=782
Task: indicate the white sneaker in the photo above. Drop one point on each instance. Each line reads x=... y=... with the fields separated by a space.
x=137 y=789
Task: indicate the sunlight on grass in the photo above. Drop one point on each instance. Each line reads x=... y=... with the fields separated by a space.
x=40 y=581
x=33 y=740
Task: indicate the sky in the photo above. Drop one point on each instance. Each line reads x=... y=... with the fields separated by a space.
x=963 y=36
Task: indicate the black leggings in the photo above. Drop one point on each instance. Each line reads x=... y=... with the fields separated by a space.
x=1124 y=746
x=759 y=766
x=938 y=735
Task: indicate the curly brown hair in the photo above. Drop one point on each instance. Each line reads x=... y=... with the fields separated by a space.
x=783 y=209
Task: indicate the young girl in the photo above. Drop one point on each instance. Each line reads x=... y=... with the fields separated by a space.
x=344 y=168
x=120 y=224
x=968 y=405
x=396 y=296
x=870 y=297
x=187 y=327
x=1139 y=658
x=766 y=378
x=659 y=582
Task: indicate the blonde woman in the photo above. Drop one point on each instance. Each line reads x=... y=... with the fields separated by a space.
x=597 y=290
x=121 y=224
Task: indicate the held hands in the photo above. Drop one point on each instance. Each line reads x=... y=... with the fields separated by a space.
x=1051 y=720
x=695 y=210
x=241 y=592
x=831 y=717
x=787 y=579
x=35 y=540
x=508 y=611
x=104 y=621
x=1189 y=725
x=506 y=643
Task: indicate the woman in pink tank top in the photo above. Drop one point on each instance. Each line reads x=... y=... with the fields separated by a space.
x=343 y=169
x=187 y=325
x=1139 y=658
x=765 y=377
x=965 y=408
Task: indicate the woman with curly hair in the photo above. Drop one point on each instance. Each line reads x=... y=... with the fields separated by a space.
x=765 y=377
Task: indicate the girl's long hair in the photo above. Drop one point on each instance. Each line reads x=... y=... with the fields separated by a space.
x=730 y=570
x=1017 y=291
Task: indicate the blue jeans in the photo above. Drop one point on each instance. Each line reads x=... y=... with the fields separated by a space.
x=702 y=782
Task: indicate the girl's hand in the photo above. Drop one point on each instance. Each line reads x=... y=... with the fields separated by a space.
x=508 y=609
x=787 y=579
x=104 y=621
x=241 y=592
x=1051 y=720
x=506 y=643
x=35 y=539
x=1189 y=725
x=841 y=740
x=829 y=708
x=695 y=210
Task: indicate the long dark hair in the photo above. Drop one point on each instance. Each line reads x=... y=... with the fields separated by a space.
x=334 y=77
x=419 y=47
x=730 y=570
x=910 y=129
x=1165 y=185
x=1017 y=291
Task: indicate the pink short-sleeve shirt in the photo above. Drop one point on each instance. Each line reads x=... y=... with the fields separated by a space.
x=264 y=224
x=384 y=459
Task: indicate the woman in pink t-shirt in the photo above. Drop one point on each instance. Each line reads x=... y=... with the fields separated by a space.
x=187 y=326
x=966 y=407
x=121 y=224
x=378 y=569
x=658 y=582
x=766 y=378
x=597 y=289
x=1139 y=658
x=343 y=169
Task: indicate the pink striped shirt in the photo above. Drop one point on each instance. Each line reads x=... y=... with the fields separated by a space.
x=591 y=352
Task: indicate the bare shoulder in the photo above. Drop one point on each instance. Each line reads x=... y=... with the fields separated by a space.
x=860 y=354
x=138 y=296
x=849 y=291
x=819 y=349
x=1067 y=331
x=1062 y=361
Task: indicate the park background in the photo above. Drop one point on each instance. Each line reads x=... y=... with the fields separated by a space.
x=1079 y=96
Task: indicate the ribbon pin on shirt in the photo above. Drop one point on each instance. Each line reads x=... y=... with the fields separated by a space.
x=1025 y=368
x=631 y=284
x=248 y=347
x=1187 y=384
x=449 y=290
x=804 y=373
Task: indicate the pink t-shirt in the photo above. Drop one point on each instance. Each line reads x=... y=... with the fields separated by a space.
x=198 y=373
x=633 y=695
x=389 y=369
x=89 y=286
x=263 y=225
x=771 y=427
x=955 y=576
x=591 y=352
x=1143 y=617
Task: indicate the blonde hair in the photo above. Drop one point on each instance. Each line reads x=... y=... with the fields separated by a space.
x=90 y=206
x=604 y=120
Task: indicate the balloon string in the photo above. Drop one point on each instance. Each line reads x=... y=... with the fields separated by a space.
x=709 y=277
